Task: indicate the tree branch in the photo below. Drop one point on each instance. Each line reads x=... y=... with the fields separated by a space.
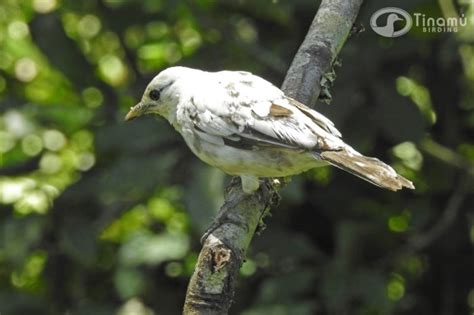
x=328 y=32
x=211 y=288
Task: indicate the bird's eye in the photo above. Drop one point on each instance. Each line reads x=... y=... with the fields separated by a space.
x=154 y=95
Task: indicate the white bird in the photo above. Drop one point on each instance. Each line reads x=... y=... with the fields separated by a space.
x=245 y=126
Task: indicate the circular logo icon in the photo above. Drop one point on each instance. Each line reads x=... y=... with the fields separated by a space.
x=383 y=22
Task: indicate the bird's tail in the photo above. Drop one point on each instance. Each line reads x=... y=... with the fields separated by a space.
x=368 y=168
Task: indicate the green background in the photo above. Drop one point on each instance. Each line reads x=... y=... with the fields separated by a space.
x=99 y=216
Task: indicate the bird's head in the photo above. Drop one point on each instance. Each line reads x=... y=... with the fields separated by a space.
x=160 y=95
x=393 y=17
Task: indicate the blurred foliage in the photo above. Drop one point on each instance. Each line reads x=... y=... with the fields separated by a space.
x=102 y=217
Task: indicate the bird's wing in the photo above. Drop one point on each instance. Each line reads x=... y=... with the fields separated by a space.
x=246 y=111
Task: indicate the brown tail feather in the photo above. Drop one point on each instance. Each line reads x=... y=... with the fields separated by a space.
x=368 y=168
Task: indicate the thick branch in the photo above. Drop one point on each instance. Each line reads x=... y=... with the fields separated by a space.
x=211 y=288
x=325 y=38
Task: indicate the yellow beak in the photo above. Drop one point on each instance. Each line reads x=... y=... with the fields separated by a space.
x=134 y=112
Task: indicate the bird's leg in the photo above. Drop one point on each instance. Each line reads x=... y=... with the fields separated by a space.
x=268 y=186
x=250 y=184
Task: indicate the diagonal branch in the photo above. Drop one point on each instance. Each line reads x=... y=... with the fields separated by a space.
x=211 y=288
x=326 y=36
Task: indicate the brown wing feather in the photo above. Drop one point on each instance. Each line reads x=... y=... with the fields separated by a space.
x=318 y=118
x=279 y=111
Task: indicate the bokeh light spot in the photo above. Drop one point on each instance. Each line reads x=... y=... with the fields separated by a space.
x=25 y=69
x=29 y=276
x=151 y=51
x=92 y=97
x=70 y=23
x=396 y=288
x=172 y=53
x=161 y=209
x=50 y=163
x=248 y=268
x=44 y=6
x=88 y=26
x=83 y=139
x=85 y=161
x=32 y=145
x=177 y=223
x=321 y=174
x=54 y=140
x=18 y=30
x=134 y=307
x=33 y=202
x=112 y=70
x=246 y=31
x=50 y=190
x=12 y=190
x=399 y=223
x=17 y=124
x=157 y=30
x=414 y=265
x=174 y=269
x=409 y=154
x=190 y=39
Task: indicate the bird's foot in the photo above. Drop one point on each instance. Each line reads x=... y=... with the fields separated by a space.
x=250 y=184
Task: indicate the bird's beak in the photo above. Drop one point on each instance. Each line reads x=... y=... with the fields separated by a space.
x=135 y=111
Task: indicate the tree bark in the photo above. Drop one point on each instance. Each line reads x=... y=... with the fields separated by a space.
x=211 y=288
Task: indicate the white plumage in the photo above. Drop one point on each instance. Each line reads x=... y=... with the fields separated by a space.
x=245 y=126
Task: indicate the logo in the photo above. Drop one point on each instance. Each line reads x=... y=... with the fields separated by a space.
x=384 y=22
